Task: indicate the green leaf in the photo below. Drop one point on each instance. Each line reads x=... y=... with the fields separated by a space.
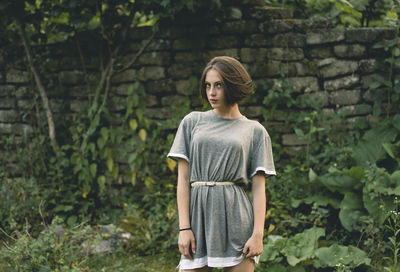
x=101 y=181
x=339 y=182
x=271 y=249
x=351 y=209
x=312 y=176
x=336 y=254
x=299 y=132
x=302 y=246
x=133 y=124
x=93 y=169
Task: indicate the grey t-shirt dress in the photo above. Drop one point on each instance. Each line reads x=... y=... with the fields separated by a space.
x=221 y=149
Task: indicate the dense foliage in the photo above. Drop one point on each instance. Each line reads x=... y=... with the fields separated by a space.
x=351 y=13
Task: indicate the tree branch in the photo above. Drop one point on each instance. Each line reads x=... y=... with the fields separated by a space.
x=39 y=84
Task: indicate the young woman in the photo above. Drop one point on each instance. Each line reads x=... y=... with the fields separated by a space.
x=217 y=151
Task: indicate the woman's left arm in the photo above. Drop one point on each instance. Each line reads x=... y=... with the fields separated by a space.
x=254 y=246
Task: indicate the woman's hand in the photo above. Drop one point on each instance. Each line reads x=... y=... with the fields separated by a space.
x=253 y=246
x=186 y=242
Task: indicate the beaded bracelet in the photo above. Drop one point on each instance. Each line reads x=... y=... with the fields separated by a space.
x=185 y=229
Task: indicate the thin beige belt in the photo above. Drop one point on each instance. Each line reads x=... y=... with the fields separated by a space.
x=211 y=183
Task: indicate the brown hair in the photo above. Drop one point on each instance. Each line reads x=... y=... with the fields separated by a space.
x=236 y=81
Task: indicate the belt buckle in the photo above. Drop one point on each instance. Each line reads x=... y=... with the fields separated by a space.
x=211 y=183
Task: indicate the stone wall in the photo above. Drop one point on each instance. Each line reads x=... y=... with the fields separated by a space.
x=335 y=65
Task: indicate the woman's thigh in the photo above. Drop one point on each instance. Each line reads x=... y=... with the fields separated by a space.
x=247 y=265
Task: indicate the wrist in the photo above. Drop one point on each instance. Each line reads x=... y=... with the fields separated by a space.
x=258 y=234
x=184 y=229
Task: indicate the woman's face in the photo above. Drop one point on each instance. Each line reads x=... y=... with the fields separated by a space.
x=215 y=90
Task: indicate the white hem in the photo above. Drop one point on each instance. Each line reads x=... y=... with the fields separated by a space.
x=177 y=155
x=267 y=173
x=212 y=262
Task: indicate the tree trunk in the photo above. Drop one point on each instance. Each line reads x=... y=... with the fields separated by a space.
x=42 y=90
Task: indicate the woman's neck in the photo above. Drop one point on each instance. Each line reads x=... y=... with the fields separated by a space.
x=228 y=111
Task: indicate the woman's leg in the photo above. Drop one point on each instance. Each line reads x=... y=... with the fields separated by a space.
x=203 y=269
x=247 y=265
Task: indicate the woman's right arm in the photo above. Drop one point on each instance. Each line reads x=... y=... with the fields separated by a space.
x=186 y=238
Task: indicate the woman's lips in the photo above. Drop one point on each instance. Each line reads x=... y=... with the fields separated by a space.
x=213 y=101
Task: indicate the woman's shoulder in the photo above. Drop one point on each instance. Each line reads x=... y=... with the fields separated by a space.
x=193 y=117
x=257 y=127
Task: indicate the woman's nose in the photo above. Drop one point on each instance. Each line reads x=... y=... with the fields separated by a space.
x=212 y=90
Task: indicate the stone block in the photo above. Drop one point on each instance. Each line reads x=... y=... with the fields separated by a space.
x=24 y=104
x=250 y=55
x=350 y=50
x=155 y=58
x=6 y=128
x=117 y=103
x=129 y=75
x=253 y=111
x=289 y=40
x=17 y=76
x=9 y=116
x=292 y=140
x=221 y=42
x=160 y=86
x=6 y=90
x=341 y=83
x=270 y=68
x=158 y=113
x=79 y=91
x=151 y=100
x=320 y=52
x=367 y=66
x=345 y=97
x=270 y=13
x=317 y=23
x=189 y=44
x=280 y=127
x=323 y=36
x=152 y=73
x=70 y=77
x=157 y=45
x=139 y=33
x=173 y=99
x=23 y=92
x=258 y=40
x=353 y=110
x=182 y=87
x=279 y=26
x=367 y=80
x=186 y=57
x=17 y=129
x=333 y=68
x=7 y=103
x=240 y=27
x=320 y=98
x=180 y=71
x=368 y=35
x=231 y=52
x=78 y=105
x=301 y=68
x=305 y=84
x=285 y=54
x=372 y=95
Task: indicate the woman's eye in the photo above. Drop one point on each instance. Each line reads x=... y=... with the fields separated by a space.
x=218 y=85
x=208 y=85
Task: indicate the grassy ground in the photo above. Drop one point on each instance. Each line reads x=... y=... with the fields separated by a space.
x=122 y=262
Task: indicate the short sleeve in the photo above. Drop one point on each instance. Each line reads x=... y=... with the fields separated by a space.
x=261 y=156
x=181 y=145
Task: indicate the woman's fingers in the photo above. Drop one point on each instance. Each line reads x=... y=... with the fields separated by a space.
x=187 y=244
x=193 y=243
